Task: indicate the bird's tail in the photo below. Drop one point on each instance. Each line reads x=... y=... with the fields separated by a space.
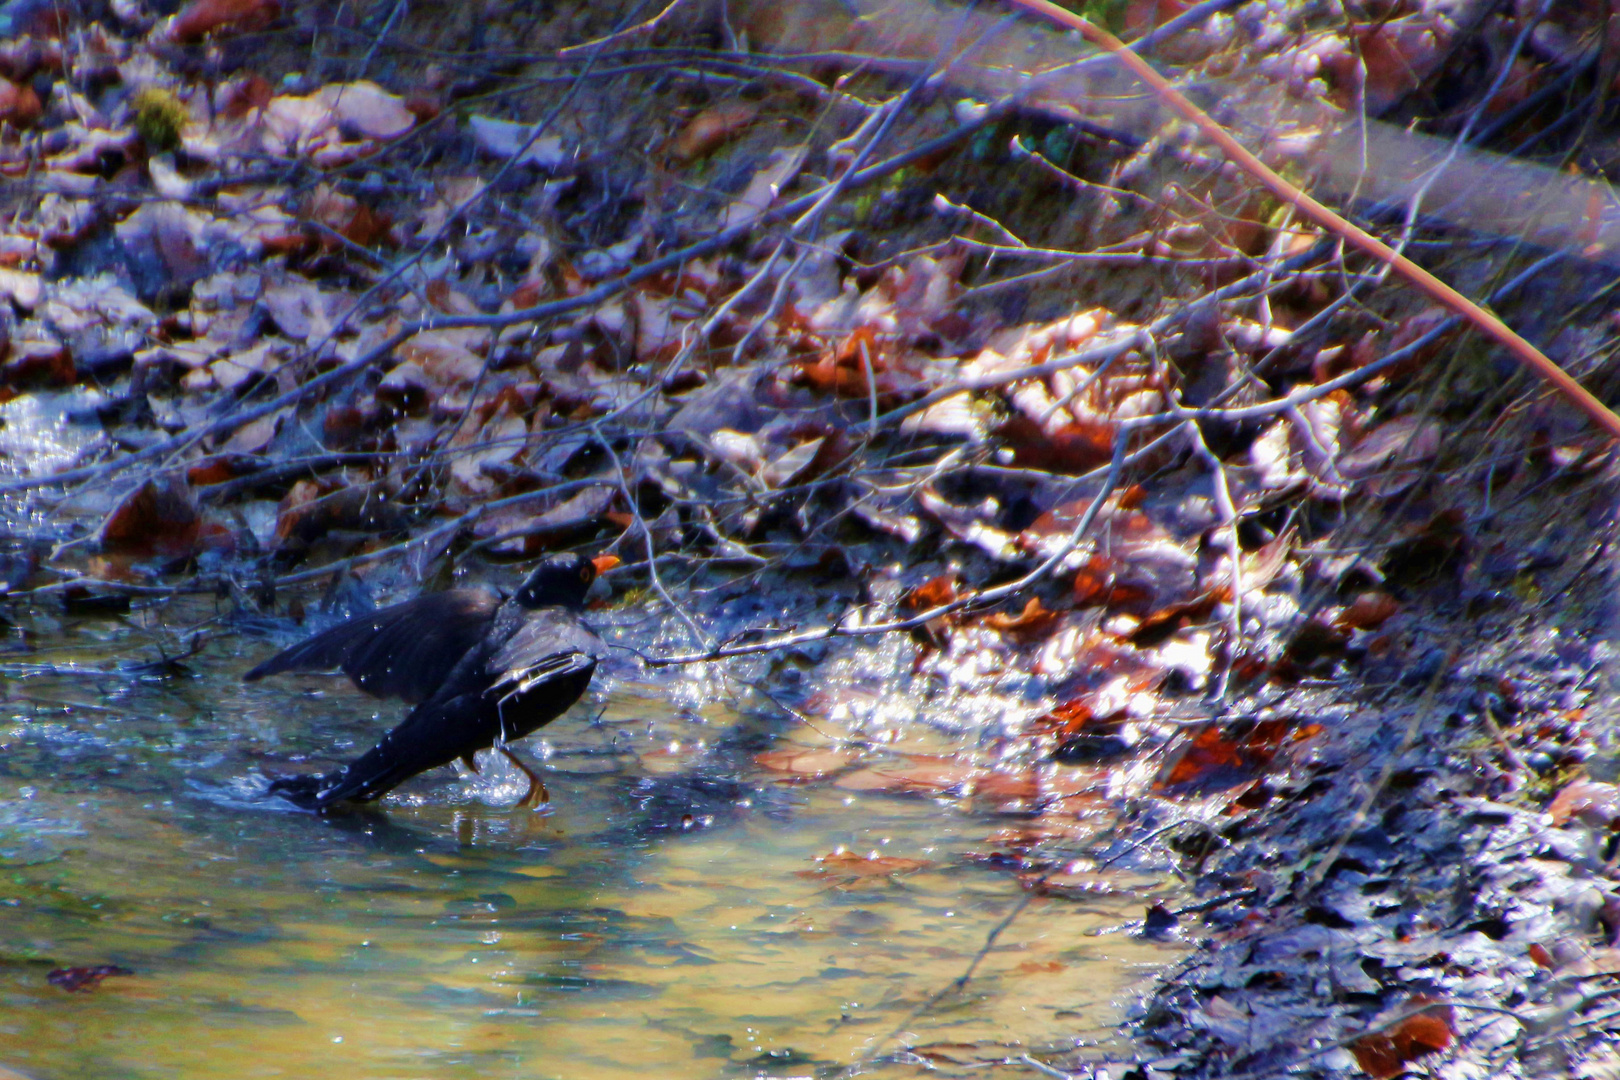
x=370 y=776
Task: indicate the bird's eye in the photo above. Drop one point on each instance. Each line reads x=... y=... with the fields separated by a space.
x=587 y=572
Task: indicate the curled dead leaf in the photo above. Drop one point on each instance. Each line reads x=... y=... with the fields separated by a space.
x=712 y=128
x=1592 y=801
x=158 y=518
x=1385 y=1053
x=1031 y=623
x=19 y=105
x=1368 y=611
x=203 y=18
x=933 y=593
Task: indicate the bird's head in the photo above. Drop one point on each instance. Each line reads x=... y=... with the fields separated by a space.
x=562 y=580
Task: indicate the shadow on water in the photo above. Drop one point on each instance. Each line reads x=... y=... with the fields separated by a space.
x=666 y=915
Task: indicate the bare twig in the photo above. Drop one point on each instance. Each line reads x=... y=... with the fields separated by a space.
x=1431 y=286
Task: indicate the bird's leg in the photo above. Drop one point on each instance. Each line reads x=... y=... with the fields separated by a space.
x=537 y=786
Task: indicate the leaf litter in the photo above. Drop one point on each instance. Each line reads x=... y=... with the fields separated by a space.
x=266 y=347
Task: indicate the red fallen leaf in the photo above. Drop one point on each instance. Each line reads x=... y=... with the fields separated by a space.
x=1594 y=802
x=933 y=593
x=347 y=217
x=1039 y=967
x=39 y=362
x=1249 y=666
x=1367 y=612
x=220 y=468
x=216 y=536
x=711 y=128
x=847 y=864
x=800 y=763
x=939 y=780
x=1075 y=447
x=424 y=105
x=204 y=17
x=1031 y=623
x=309 y=511
x=1206 y=753
x=1385 y=1054
x=1064 y=720
x=1008 y=787
x=1226 y=758
x=1104 y=581
x=76 y=979
x=1397 y=56
x=19 y=105
x=157 y=518
x=529 y=292
x=1093 y=582
x=240 y=96
x=857 y=367
x=1539 y=954
x=286 y=244
x=345 y=426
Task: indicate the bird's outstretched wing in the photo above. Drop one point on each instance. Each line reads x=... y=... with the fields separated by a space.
x=510 y=682
x=405 y=651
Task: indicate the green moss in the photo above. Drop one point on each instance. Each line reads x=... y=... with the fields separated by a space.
x=159 y=118
x=1109 y=14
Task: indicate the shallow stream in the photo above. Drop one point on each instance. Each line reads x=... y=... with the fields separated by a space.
x=666 y=915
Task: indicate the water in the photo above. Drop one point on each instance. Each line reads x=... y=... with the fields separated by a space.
x=668 y=916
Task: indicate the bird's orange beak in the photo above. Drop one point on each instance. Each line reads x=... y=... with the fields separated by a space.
x=604 y=563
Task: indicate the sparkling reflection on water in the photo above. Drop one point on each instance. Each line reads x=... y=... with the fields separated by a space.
x=666 y=918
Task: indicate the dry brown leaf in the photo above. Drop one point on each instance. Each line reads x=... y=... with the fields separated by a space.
x=347 y=217
x=800 y=763
x=204 y=17
x=1593 y=801
x=933 y=593
x=1368 y=611
x=933 y=777
x=158 y=518
x=19 y=105
x=711 y=128
x=1385 y=1054
x=38 y=361
x=847 y=864
x=1033 y=622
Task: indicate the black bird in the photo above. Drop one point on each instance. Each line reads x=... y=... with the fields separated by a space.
x=480 y=670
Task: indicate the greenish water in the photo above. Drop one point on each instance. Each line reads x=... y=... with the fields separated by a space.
x=665 y=917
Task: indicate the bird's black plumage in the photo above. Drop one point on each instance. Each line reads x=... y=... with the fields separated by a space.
x=480 y=671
